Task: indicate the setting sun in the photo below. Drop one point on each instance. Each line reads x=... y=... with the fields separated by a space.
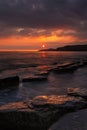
x=43 y=46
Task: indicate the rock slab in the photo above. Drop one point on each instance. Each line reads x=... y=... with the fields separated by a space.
x=39 y=113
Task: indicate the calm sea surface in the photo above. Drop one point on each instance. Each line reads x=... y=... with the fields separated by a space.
x=26 y=64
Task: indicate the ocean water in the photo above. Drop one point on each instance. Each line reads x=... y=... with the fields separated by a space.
x=29 y=64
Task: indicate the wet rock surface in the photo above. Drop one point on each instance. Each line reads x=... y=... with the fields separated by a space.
x=69 y=67
x=39 y=113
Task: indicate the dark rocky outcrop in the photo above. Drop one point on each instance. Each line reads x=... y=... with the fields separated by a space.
x=39 y=113
x=73 y=48
x=50 y=49
x=9 y=82
x=68 y=48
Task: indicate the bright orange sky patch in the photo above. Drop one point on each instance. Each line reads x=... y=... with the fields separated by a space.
x=37 y=41
x=28 y=40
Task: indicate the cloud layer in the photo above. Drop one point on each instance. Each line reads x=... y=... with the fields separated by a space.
x=43 y=17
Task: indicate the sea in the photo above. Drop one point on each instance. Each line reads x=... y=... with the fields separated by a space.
x=28 y=64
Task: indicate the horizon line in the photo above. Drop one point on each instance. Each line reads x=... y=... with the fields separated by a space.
x=19 y=50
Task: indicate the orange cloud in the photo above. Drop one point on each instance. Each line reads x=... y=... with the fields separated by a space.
x=37 y=41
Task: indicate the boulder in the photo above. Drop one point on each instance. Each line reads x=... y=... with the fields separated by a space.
x=9 y=82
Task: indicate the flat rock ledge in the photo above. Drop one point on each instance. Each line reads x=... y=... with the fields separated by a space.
x=39 y=113
x=69 y=67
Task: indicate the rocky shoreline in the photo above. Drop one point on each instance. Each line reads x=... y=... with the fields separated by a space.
x=40 y=112
x=64 y=68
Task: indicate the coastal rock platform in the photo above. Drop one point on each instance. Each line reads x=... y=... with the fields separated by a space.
x=39 y=113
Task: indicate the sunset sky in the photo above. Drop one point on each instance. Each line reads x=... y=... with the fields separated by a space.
x=28 y=24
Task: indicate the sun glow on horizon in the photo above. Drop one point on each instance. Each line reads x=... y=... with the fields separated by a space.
x=37 y=41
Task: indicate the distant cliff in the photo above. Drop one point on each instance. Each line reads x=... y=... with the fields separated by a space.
x=50 y=49
x=68 y=48
x=73 y=48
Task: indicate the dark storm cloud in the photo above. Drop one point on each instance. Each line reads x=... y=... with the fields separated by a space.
x=68 y=14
